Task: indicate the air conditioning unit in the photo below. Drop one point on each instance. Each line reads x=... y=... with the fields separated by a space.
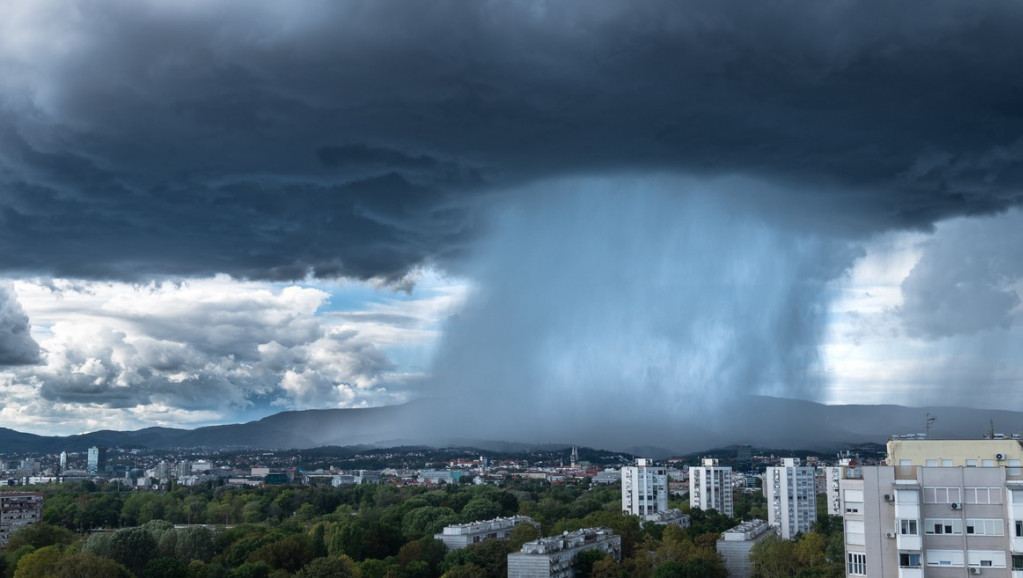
x=999 y=457
x=887 y=497
x=974 y=570
x=955 y=505
x=890 y=535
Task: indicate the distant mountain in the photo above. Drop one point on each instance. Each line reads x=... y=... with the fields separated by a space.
x=759 y=421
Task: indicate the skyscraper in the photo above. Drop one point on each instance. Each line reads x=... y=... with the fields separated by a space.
x=97 y=460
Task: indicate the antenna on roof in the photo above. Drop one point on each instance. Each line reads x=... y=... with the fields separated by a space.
x=927 y=427
x=991 y=429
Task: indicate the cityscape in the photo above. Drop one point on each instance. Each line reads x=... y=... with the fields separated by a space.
x=511 y=288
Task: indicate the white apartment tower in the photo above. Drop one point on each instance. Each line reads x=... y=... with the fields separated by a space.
x=644 y=489
x=710 y=487
x=791 y=498
x=938 y=508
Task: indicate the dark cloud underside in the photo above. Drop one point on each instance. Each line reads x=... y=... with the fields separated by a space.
x=360 y=138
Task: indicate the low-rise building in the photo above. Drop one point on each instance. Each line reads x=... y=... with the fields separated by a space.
x=672 y=517
x=462 y=535
x=735 y=546
x=554 y=557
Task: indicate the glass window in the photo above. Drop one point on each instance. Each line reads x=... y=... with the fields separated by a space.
x=909 y=560
x=857 y=564
x=908 y=527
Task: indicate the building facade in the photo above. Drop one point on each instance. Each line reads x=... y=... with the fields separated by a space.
x=554 y=557
x=736 y=544
x=791 y=498
x=462 y=535
x=939 y=508
x=97 y=460
x=710 y=487
x=18 y=509
x=644 y=489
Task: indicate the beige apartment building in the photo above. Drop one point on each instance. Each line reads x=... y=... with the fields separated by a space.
x=939 y=508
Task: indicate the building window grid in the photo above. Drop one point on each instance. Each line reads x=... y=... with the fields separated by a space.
x=857 y=564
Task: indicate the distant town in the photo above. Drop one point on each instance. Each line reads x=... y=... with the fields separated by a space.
x=914 y=507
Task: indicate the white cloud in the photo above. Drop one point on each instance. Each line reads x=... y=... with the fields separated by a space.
x=215 y=350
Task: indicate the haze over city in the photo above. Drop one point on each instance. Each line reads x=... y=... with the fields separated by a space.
x=539 y=216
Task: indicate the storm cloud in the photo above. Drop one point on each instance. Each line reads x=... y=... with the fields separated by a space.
x=359 y=138
x=649 y=196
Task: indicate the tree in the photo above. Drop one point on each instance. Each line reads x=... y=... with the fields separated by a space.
x=194 y=543
x=39 y=564
x=87 y=565
x=465 y=571
x=480 y=508
x=606 y=568
x=774 y=557
x=133 y=547
x=165 y=568
x=40 y=535
x=330 y=567
x=585 y=560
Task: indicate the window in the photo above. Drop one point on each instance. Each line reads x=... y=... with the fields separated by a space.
x=985 y=527
x=908 y=527
x=982 y=495
x=945 y=463
x=907 y=560
x=941 y=526
x=971 y=463
x=1017 y=562
x=931 y=463
x=857 y=564
x=854 y=533
x=942 y=495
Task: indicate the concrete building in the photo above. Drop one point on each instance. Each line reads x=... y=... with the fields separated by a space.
x=644 y=489
x=791 y=497
x=607 y=476
x=939 y=508
x=554 y=557
x=832 y=486
x=462 y=535
x=735 y=546
x=63 y=461
x=710 y=487
x=18 y=509
x=670 y=517
x=97 y=460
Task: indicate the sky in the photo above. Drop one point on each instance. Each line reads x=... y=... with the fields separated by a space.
x=547 y=214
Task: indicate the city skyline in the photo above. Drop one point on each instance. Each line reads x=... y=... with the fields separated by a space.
x=623 y=214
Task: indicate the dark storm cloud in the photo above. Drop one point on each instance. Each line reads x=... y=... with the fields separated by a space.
x=16 y=344
x=359 y=138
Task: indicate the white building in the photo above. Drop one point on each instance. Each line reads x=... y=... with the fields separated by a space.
x=463 y=535
x=832 y=482
x=791 y=497
x=644 y=489
x=554 y=557
x=710 y=487
x=939 y=508
x=735 y=546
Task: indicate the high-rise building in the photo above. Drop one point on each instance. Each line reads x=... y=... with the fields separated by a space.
x=936 y=508
x=63 y=461
x=644 y=489
x=97 y=460
x=710 y=487
x=791 y=498
x=18 y=509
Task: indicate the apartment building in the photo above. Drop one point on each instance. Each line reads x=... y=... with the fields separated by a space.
x=554 y=557
x=18 y=509
x=791 y=497
x=644 y=489
x=710 y=487
x=736 y=544
x=463 y=535
x=938 y=508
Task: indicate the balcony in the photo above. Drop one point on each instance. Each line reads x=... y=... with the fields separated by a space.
x=908 y=542
x=912 y=572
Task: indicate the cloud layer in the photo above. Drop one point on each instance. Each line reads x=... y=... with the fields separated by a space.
x=356 y=138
